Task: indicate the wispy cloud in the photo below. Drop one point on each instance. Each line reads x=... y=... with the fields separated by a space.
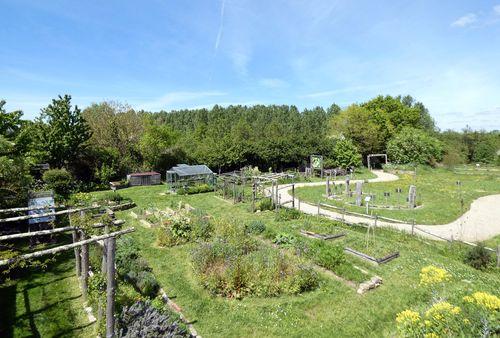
x=221 y=27
x=360 y=88
x=496 y=9
x=465 y=20
x=240 y=62
x=273 y=83
x=174 y=98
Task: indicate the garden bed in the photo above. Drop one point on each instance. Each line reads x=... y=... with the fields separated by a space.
x=324 y=237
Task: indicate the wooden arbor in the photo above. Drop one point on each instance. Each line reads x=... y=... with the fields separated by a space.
x=369 y=157
x=80 y=246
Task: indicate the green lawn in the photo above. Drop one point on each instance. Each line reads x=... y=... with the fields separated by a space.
x=438 y=195
x=44 y=303
x=332 y=309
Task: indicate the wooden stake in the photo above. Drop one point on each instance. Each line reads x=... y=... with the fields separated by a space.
x=78 y=262
x=293 y=195
x=85 y=266
x=110 y=288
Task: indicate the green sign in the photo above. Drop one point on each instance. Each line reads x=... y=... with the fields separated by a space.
x=317 y=162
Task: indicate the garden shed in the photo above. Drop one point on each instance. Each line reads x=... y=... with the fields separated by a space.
x=145 y=178
x=184 y=175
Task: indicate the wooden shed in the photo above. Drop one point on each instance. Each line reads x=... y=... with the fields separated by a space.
x=146 y=178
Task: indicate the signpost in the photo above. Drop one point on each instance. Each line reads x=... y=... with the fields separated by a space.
x=317 y=163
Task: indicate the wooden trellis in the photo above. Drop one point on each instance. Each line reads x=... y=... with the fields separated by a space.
x=80 y=246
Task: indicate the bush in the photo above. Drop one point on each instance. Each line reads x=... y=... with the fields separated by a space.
x=200 y=188
x=255 y=227
x=264 y=204
x=345 y=154
x=59 y=180
x=414 y=146
x=478 y=257
x=287 y=214
x=143 y=320
x=183 y=227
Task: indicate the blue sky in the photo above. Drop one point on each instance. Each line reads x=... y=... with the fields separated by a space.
x=183 y=54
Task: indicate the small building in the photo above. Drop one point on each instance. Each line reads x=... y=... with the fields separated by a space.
x=146 y=178
x=184 y=175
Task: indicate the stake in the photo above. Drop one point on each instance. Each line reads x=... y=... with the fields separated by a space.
x=85 y=266
x=293 y=195
x=110 y=288
x=78 y=262
x=413 y=227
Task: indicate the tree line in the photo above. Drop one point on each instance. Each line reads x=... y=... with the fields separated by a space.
x=107 y=140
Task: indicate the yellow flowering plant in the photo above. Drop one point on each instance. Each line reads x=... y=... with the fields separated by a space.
x=431 y=275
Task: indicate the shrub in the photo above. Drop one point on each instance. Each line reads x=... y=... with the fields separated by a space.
x=414 y=146
x=346 y=154
x=264 y=204
x=478 y=257
x=197 y=189
x=143 y=320
x=255 y=227
x=286 y=214
x=59 y=180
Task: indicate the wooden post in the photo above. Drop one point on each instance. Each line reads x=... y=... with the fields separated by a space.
x=85 y=266
x=328 y=186
x=254 y=193
x=110 y=288
x=104 y=251
x=78 y=260
x=293 y=195
x=413 y=227
x=375 y=222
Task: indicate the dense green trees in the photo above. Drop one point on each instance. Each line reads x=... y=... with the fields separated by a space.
x=107 y=140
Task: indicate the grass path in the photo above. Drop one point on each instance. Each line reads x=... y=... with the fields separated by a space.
x=44 y=303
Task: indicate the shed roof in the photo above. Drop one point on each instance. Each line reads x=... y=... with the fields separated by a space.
x=149 y=173
x=190 y=170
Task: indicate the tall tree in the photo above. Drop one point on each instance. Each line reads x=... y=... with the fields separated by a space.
x=64 y=132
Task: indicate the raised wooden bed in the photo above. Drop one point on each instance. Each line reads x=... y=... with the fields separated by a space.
x=371 y=259
x=324 y=237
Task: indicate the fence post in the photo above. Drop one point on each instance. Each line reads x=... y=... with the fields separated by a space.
x=375 y=222
x=85 y=266
x=298 y=201
x=110 y=289
x=78 y=258
x=293 y=195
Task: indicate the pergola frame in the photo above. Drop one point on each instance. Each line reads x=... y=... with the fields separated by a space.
x=368 y=158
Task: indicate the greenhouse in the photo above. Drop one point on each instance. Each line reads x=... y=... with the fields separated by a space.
x=185 y=176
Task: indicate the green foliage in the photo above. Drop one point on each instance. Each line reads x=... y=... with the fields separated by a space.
x=287 y=214
x=328 y=256
x=255 y=227
x=478 y=257
x=414 y=146
x=63 y=132
x=264 y=204
x=109 y=196
x=156 y=144
x=485 y=152
x=59 y=180
x=346 y=154
x=184 y=226
x=284 y=239
x=194 y=189
x=235 y=269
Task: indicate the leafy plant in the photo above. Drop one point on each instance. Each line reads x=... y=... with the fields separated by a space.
x=284 y=239
x=478 y=257
x=59 y=180
x=264 y=204
x=255 y=227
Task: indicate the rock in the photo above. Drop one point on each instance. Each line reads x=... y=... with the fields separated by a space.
x=368 y=285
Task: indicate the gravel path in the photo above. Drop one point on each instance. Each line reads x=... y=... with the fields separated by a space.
x=481 y=222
